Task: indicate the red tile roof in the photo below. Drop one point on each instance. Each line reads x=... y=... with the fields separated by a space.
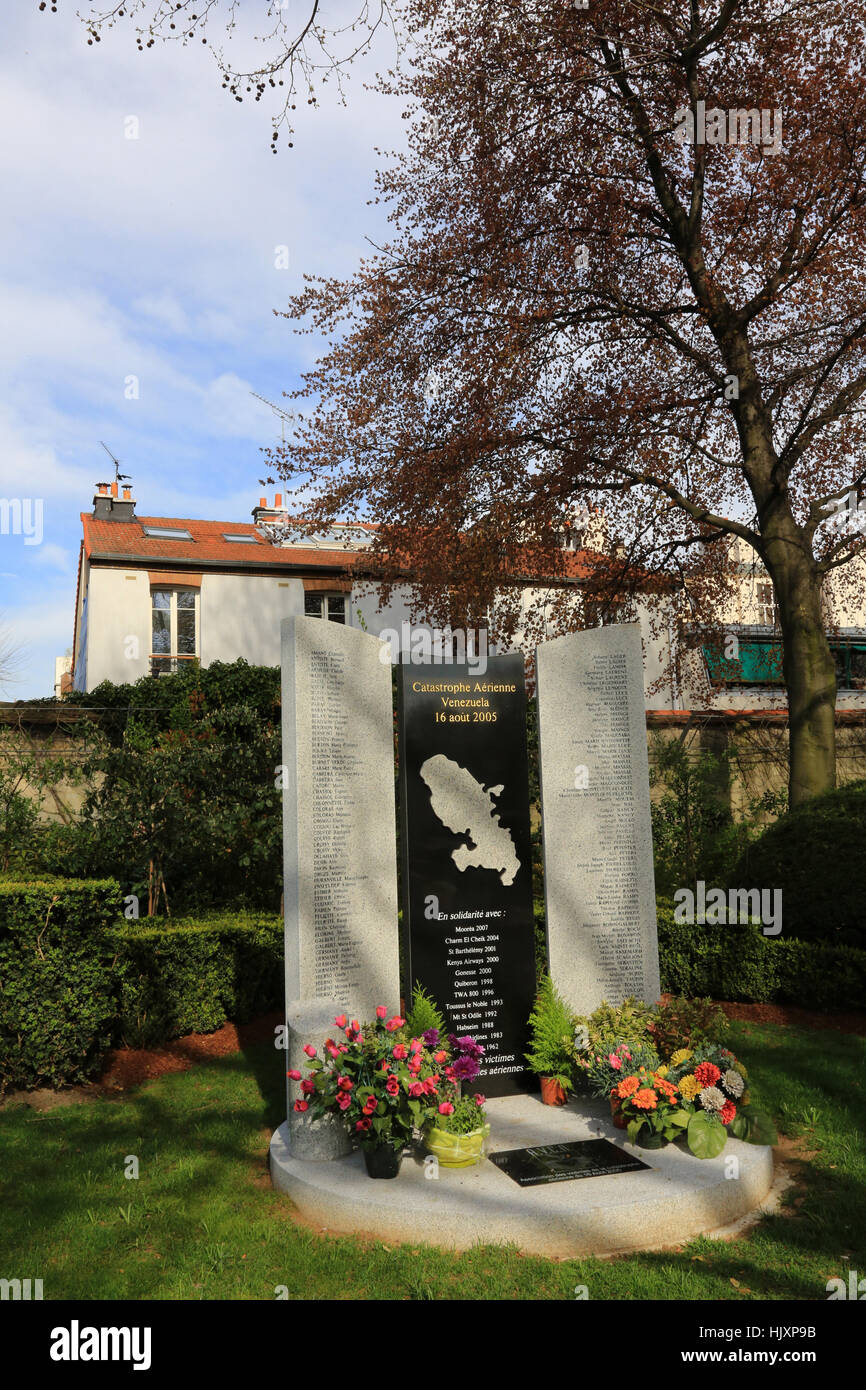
x=127 y=542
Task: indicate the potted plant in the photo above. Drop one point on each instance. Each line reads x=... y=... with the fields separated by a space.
x=458 y=1133
x=380 y=1082
x=458 y=1129
x=651 y=1107
x=604 y=1069
x=552 y=1052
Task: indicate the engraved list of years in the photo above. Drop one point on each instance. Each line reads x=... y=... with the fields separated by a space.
x=337 y=883
x=595 y=809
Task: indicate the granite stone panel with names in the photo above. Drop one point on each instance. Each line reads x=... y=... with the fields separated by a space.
x=340 y=870
x=598 y=864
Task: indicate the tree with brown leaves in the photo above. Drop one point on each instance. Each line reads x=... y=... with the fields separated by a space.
x=627 y=269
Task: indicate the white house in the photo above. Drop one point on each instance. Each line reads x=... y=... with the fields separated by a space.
x=154 y=592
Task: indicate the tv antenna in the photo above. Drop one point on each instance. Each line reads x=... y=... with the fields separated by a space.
x=278 y=410
x=118 y=476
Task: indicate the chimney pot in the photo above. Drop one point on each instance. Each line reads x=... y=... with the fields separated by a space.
x=114 y=489
x=127 y=494
x=278 y=500
x=263 y=501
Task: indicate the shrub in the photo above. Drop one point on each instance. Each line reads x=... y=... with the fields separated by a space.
x=815 y=855
x=77 y=979
x=552 y=1047
x=736 y=961
x=689 y=1023
x=424 y=1014
x=182 y=806
x=611 y=1024
x=694 y=832
x=191 y=976
x=57 y=979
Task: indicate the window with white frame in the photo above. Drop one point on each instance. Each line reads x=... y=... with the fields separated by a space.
x=330 y=606
x=174 y=629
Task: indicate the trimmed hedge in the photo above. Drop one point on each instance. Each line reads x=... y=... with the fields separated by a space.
x=58 y=954
x=192 y=975
x=76 y=978
x=738 y=962
x=817 y=856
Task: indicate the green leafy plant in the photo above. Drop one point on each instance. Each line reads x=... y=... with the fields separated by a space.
x=611 y=1024
x=553 y=1050
x=424 y=1015
x=682 y=1022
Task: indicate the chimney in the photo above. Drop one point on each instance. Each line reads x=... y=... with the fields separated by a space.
x=107 y=506
x=265 y=513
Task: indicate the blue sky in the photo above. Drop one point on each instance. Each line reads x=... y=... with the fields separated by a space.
x=155 y=258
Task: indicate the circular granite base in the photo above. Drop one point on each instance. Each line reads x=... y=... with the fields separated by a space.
x=675 y=1198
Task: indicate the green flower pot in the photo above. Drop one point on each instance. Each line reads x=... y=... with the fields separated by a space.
x=647 y=1140
x=456 y=1150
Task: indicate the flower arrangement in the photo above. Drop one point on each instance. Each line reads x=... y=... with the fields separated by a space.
x=713 y=1083
x=457 y=1131
x=381 y=1083
x=456 y=1113
x=701 y=1094
x=650 y=1104
x=384 y=1085
x=602 y=1070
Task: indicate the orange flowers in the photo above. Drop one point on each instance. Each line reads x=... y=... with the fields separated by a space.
x=645 y=1099
x=627 y=1086
x=666 y=1087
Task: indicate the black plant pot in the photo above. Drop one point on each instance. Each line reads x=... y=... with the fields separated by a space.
x=383 y=1161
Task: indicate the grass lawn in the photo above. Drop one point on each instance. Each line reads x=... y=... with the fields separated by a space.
x=202 y=1222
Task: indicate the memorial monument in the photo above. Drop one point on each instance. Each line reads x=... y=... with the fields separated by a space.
x=468 y=931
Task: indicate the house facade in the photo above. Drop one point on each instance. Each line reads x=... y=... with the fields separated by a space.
x=155 y=592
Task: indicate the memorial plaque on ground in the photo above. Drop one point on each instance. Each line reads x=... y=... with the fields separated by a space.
x=582 y=1158
x=595 y=807
x=339 y=825
x=467 y=870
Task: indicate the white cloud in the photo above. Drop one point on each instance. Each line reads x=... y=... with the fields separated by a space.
x=53 y=556
x=155 y=258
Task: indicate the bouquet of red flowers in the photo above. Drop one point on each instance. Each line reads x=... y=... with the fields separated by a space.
x=381 y=1083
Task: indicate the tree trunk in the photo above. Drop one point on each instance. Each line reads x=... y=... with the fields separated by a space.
x=809 y=671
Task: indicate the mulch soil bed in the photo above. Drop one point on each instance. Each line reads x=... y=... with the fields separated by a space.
x=126 y=1067
x=130 y=1066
